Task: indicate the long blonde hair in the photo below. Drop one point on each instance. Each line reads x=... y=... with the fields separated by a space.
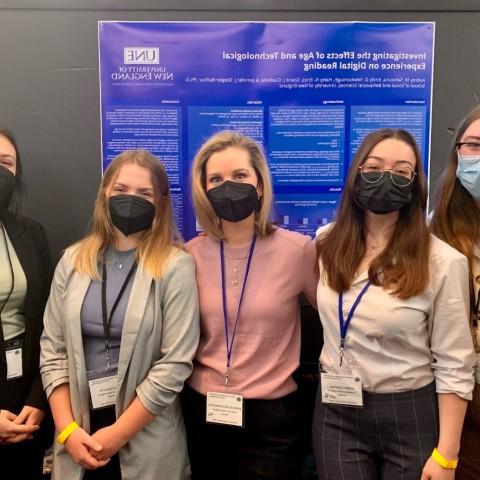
x=156 y=244
x=219 y=142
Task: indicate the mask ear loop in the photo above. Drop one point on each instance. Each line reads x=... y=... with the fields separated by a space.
x=260 y=200
x=259 y=195
x=111 y=226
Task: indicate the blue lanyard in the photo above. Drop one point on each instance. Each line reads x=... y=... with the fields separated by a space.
x=345 y=324
x=224 y=300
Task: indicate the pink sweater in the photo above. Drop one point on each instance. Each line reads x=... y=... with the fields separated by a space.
x=266 y=348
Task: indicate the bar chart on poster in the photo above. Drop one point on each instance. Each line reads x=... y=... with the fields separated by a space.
x=308 y=92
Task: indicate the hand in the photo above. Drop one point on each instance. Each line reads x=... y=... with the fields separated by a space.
x=81 y=447
x=11 y=432
x=433 y=471
x=30 y=416
x=111 y=441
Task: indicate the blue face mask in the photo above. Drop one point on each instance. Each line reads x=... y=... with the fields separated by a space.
x=468 y=172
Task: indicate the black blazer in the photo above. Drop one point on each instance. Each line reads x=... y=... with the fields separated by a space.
x=30 y=244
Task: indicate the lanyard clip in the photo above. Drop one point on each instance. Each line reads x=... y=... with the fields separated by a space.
x=107 y=358
x=341 y=351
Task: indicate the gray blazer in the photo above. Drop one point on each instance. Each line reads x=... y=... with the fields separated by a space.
x=159 y=339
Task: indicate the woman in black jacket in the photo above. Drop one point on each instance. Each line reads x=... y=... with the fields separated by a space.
x=25 y=275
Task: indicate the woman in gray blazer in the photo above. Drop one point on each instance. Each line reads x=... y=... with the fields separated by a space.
x=121 y=329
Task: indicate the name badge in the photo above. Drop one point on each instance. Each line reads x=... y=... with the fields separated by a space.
x=14 y=354
x=224 y=408
x=342 y=389
x=103 y=391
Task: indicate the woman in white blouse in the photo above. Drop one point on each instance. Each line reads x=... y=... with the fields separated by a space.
x=457 y=221
x=397 y=361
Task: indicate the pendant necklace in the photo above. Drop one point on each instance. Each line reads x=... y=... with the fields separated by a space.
x=236 y=269
x=121 y=258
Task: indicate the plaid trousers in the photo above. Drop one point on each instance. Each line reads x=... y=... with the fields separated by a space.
x=390 y=438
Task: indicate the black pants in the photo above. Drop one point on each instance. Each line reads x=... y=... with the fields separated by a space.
x=22 y=460
x=266 y=448
x=391 y=437
x=111 y=471
x=469 y=464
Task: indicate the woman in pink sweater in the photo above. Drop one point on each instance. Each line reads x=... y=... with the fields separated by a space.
x=241 y=407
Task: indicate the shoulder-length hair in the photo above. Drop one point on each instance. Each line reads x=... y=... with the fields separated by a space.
x=156 y=243
x=403 y=264
x=16 y=201
x=456 y=218
x=219 y=142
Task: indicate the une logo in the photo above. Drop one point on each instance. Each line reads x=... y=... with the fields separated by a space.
x=141 y=55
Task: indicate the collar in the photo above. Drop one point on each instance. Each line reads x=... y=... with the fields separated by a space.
x=13 y=224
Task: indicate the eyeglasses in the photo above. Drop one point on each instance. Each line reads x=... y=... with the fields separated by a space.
x=401 y=175
x=468 y=147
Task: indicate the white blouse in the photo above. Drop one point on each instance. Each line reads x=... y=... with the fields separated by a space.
x=398 y=345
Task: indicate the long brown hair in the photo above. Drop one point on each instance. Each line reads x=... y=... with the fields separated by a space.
x=219 y=142
x=456 y=218
x=156 y=243
x=404 y=262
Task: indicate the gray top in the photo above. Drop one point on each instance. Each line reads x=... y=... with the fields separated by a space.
x=118 y=264
x=13 y=313
x=159 y=340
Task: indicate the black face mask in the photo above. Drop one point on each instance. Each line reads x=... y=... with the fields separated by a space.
x=234 y=201
x=131 y=214
x=7 y=187
x=383 y=196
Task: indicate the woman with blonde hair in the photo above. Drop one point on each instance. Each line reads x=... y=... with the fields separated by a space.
x=121 y=329
x=397 y=359
x=456 y=220
x=240 y=406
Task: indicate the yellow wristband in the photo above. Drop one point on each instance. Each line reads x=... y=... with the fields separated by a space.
x=442 y=461
x=67 y=431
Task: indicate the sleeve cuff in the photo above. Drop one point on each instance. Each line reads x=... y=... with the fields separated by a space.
x=50 y=387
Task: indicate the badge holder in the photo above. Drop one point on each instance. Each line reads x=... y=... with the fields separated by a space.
x=225 y=409
x=345 y=388
x=103 y=383
x=222 y=407
x=14 y=356
x=103 y=388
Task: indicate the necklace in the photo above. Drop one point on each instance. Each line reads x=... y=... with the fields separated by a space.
x=120 y=258
x=239 y=258
x=235 y=270
x=378 y=243
x=374 y=247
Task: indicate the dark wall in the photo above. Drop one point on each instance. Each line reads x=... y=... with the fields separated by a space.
x=49 y=90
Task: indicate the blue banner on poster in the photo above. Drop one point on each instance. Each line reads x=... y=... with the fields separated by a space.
x=309 y=92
